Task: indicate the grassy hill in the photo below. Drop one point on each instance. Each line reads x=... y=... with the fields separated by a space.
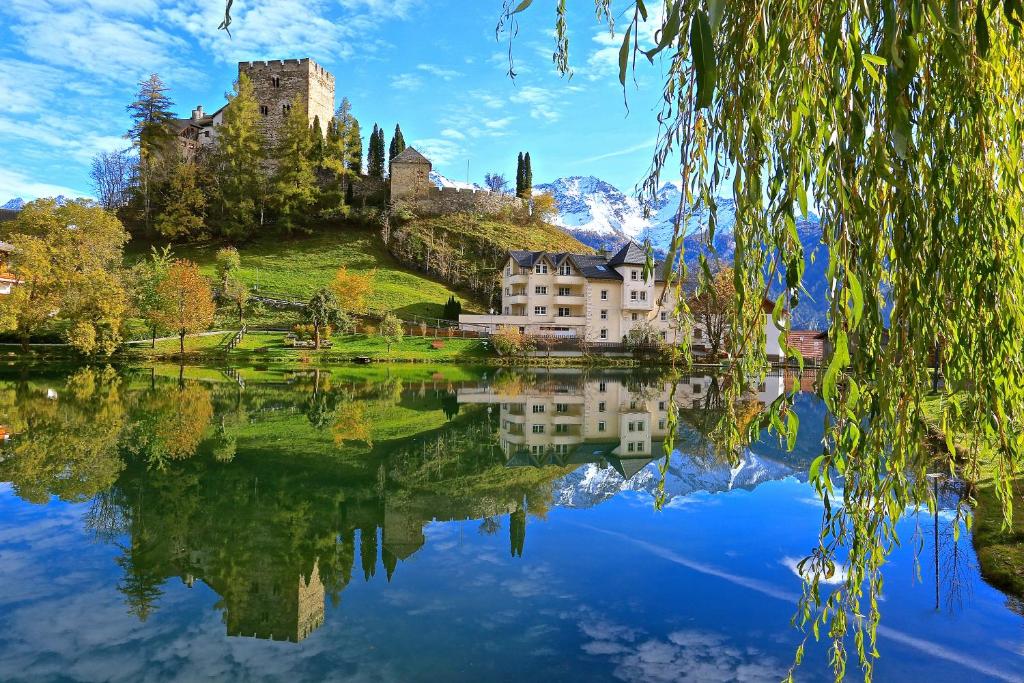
x=298 y=266
x=407 y=281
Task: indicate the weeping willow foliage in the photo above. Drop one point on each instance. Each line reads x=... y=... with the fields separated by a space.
x=899 y=122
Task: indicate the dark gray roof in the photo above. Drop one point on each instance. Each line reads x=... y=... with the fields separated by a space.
x=631 y=254
x=410 y=156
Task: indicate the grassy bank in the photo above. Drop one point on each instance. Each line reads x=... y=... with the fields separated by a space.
x=300 y=265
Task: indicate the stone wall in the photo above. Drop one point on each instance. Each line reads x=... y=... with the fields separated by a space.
x=368 y=191
x=276 y=84
x=410 y=182
x=440 y=201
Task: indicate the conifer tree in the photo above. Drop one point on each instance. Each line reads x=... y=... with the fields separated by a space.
x=239 y=197
x=183 y=202
x=150 y=134
x=397 y=143
x=527 y=176
x=294 y=185
x=317 y=148
x=376 y=161
x=519 y=176
x=356 y=142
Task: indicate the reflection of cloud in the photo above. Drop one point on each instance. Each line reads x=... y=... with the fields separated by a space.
x=791 y=563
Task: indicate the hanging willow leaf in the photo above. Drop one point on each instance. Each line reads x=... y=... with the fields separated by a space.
x=668 y=32
x=981 y=30
x=702 y=49
x=522 y=6
x=715 y=9
x=624 y=56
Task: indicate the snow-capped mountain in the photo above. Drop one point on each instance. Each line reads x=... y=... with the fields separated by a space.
x=14 y=204
x=443 y=181
x=591 y=484
x=601 y=215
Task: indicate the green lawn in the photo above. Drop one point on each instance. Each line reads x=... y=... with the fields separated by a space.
x=299 y=265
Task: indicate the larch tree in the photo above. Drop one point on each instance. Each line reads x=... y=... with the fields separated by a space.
x=898 y=124
x=186 y=301
x=183 y=202
x=294 y=184
x=238 y=158
x=397 y=143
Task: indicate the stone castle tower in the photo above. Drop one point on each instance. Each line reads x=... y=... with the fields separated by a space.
x=277 y=82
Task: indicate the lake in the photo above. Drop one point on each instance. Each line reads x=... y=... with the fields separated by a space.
x=418 y=523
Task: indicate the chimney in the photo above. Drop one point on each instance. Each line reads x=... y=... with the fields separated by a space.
x=197 y=113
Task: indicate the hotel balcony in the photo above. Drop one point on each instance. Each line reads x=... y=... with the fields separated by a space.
x=637 y=305
x=570 y=300
x=517 y=279
x=570 y=280
x=515 y=298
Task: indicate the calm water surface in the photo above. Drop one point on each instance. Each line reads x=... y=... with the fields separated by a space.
x=433 y=524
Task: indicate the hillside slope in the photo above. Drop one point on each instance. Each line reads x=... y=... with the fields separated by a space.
x=468 y=251
x=298 y=266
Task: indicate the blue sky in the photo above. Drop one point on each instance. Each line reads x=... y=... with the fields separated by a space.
x=68 y=67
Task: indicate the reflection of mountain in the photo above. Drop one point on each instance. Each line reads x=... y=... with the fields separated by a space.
x=593 y=484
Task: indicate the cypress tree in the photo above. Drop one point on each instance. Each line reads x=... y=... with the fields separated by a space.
x=317 y=148
x=355 y=145
x=519 y=176
x=397 y=143
x=376 y=161
x=527 y=177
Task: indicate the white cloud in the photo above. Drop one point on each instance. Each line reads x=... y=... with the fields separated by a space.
x=453 y=134
x=16 y=184
x=440 y=72
x=406 y=82
x=647 y=144
x=543 y=104
x=440 y=151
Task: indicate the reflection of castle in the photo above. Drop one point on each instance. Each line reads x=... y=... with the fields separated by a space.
x=565 y=418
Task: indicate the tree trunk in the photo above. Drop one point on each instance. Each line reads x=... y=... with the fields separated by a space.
x=181 y=341
x=316 y=336
x=24 y=341
x=152 y=343
x=241 y=318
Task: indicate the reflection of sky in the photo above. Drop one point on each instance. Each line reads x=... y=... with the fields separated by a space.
x=701 y=591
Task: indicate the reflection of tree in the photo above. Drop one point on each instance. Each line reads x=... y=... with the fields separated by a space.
x=517 y=531
x=351 y=423
x=64 y=441
x=489 y=526
x=169 y=422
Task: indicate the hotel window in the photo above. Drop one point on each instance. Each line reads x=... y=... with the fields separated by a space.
x=538 y=429
x=604 y=334
x=601 y=426
x=601 y=407
x=540 y=289
x=664 y=316
x=661 y=423
x=661 y=406
x=565 y=270
x=631 y=447
x=563 y=311
x=632 y=405
x=508 y=271
x=636 y=316
x=631 y=427
x=541 y=269
x=643 y=295
x=564 y=291
x=604 y=314
x=664 y=336
x=633 y=295
x=641 y=425
x=540 y=310
x=634 y=275
x=561 y=407
x=538 y=408
x=604 y=295
x=507 y=309
x=561 y=429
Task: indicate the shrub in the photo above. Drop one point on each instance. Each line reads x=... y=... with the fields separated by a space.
x=509 y=341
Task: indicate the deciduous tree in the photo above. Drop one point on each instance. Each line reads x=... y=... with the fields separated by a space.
x=353 y=290
x=322 y=311
x=391 y=330
x=186 y=301
x=112 y=174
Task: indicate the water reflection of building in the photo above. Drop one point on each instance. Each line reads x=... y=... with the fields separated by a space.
x=567 y=418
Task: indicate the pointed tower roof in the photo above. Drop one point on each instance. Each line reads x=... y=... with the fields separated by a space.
x=410 y=156
x=631 y=254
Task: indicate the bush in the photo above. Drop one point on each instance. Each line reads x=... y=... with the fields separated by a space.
x=509 y=341
x=305 y=332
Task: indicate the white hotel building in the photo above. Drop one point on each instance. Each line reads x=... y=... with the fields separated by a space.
x=592 y=297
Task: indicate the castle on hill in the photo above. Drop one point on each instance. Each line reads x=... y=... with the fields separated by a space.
x=276 y=85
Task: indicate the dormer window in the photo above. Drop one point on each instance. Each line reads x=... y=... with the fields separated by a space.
x=565 y=270
x=541 y=269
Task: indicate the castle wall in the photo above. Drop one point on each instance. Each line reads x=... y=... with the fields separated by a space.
x=445 y=200
x=410 y=181
x=276 y=84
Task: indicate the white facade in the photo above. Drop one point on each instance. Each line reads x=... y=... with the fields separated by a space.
x=590 y=298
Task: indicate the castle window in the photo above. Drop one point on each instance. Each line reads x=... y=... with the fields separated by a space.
x=265 y=110
x=285 y=108
x=275 y=81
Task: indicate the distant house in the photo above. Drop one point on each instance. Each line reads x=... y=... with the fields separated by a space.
x=810 y=344
x=595 y=298
x=7 y=278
